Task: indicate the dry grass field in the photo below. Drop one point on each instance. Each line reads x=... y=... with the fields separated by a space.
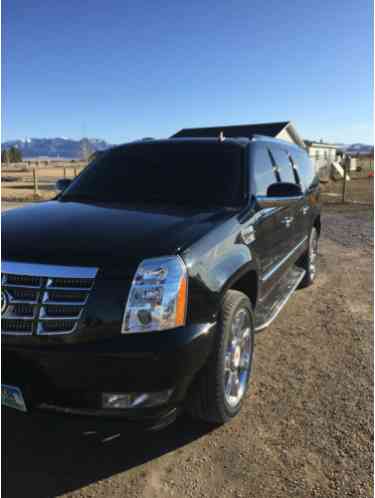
x=358 y=190
x=17 y=185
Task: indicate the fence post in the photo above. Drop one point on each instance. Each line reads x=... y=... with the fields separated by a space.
x=35 y=179
x=64 y=171
x=344 y=185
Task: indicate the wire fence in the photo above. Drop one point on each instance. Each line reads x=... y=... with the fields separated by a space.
x=24 y=183
x=352 y=183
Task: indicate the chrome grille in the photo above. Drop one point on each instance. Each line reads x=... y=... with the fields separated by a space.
x=23 y=281
x=43 y=299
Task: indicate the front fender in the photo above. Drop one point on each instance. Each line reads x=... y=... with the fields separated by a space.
x=214 y=263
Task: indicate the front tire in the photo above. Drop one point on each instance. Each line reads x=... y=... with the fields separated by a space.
x=218 y=392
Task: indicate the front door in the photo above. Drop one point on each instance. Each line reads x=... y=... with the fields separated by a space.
x=274 y=230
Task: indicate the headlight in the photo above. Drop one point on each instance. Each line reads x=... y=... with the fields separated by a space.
x=158 y=296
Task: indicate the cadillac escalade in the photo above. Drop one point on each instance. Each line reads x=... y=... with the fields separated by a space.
x=137 y=291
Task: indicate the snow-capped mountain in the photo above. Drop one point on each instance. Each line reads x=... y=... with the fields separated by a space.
x=66 y=148
x=358 y=149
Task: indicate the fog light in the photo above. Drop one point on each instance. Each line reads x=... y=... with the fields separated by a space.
x=135 y=400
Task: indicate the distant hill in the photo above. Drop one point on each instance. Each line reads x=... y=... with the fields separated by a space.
x=65 y=148
x=358 y=149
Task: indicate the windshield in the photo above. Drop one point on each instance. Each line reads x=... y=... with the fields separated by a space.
x=189 y=173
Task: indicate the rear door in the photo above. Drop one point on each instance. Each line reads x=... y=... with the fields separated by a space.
x=299 y=207
x=309 y=182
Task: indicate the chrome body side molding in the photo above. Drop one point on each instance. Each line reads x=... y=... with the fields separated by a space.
x=269 y=274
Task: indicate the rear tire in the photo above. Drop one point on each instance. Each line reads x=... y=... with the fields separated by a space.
x=308 y=262
x=218 y=392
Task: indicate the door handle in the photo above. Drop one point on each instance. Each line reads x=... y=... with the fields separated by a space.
x=305 y=209
x=288 y=220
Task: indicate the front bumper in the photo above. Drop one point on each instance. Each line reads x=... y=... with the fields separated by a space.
x=70 y=378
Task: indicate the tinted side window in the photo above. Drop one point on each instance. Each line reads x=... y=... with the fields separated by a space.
x=305 y=168
x=295 y=170
x=264 y=174
x=283 y=164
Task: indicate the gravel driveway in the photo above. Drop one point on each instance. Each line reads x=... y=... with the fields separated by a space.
x=305 y=430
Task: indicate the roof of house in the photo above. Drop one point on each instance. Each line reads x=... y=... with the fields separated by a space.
x=246 y=130
x=317 y=143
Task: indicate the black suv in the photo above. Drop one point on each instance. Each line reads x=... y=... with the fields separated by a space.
x=138 y=290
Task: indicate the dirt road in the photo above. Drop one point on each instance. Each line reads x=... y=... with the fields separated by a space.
x=305 y=431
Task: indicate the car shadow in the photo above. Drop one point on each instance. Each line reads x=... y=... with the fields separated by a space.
x=45 y=455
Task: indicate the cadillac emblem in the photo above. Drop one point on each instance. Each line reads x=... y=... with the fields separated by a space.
x=4 y=301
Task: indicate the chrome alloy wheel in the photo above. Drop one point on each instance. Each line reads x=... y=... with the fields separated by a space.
x=313 y=252
x=237 y=358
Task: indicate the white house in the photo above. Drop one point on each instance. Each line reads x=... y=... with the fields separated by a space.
x=321 y=153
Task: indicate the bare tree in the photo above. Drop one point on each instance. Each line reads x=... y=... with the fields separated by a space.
x=86 y=149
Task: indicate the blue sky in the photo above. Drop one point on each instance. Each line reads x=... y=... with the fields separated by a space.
x=123 y=70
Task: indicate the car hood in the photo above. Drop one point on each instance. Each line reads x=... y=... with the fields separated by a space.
x=113 y=237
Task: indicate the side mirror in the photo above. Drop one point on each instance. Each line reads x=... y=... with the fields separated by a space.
x=62 y=184
x=281 y=189
x=280 y=194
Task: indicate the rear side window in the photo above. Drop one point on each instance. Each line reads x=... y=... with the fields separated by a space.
x=264 y=174
x=283 y=165
x=305 y=169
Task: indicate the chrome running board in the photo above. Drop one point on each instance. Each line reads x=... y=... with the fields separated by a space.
x=267 y=311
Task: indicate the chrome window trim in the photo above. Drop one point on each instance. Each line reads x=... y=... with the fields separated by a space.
x=278 y=265
x=266 y=202
x=52 y=271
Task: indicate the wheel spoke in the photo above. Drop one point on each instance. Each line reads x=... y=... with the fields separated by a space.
x=245 y=360
x=229 y=383
x=227 y=361
x=235 y=385
x=313 y=253
x=245 y=335
x=237 y=357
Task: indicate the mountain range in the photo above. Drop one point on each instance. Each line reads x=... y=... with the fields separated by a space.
x=358 y=149
x=67 y=148
x=60 y=147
